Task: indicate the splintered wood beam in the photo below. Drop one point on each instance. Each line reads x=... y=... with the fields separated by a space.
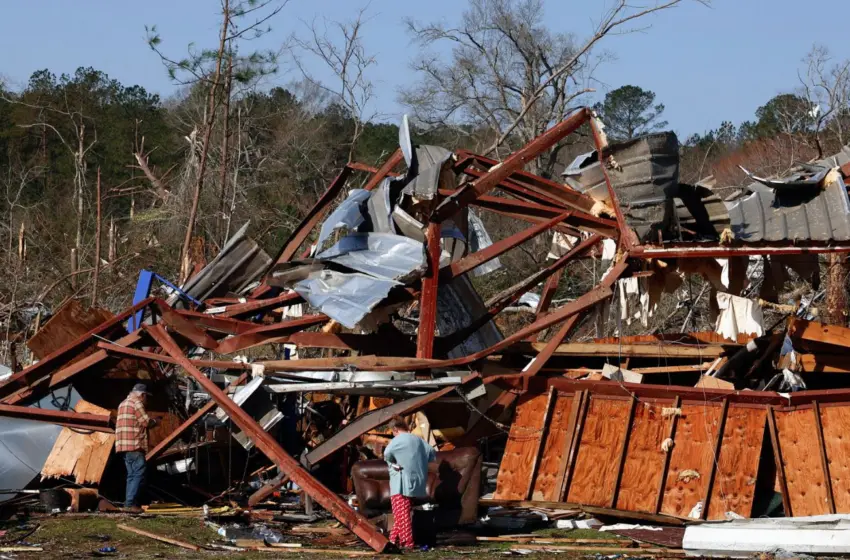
x=358 y=524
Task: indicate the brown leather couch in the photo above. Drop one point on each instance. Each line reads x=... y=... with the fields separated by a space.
x=454 y=484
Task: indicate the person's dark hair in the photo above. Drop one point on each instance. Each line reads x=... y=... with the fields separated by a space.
x=398 y=423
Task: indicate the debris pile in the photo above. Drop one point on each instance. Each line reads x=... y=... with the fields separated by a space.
x=370 y=311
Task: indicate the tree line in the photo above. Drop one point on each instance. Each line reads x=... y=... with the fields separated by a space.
x=175 y=177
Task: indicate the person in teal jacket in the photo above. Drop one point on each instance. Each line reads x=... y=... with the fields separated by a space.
x=407 y=456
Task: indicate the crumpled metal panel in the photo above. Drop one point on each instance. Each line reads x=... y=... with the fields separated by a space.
x=26 y=444
x=480 y=239
x=380 y=208
x=458 y=305
x=793 y=183
x=239 y=263
x=346 y=298
x=429 y=164
x=645 y=180
x=347 y=215
x=810 y=215
x=383 y=255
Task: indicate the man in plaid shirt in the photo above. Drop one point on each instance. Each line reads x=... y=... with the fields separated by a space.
x=131 y=440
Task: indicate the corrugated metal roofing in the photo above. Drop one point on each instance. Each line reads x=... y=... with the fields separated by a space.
x=811 y=214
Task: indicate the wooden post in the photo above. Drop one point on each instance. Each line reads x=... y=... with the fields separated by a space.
x=623 y=451
x=97 y=236
x=777 y=456
x=544 y=432
x=712 y=475
x=574 y=445
x=824 y=459
x=677 y=403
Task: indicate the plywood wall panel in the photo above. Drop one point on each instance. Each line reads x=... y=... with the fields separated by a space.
x=644 y=462
x=691 y=459
x=597 y=461
x=738 y=463
x=553 y=462
x=836 y=438
x=801 y=459
x=521 y=448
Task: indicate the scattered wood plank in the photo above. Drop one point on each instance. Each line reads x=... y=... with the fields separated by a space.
x=554 y=540
x=620 y=514
x=154 y=536
x=668 y=552
x=811 y=331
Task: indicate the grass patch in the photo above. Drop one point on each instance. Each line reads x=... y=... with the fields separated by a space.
x=75 y=535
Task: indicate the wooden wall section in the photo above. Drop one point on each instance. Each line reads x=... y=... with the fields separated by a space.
x=553 y=462
x=800 y=453
x=692 y=458
x=597 y=460
x=515 y=472
x=644 y=464
x=738 y=462
x=586 y=448
x=836 y=437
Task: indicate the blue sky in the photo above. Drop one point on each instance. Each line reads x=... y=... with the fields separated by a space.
x=705 y=64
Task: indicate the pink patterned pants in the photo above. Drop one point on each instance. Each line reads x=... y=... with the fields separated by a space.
x=402 y=533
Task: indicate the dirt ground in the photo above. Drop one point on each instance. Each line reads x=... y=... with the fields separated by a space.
x=82 y=536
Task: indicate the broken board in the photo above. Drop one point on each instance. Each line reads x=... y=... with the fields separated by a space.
x=78 y=454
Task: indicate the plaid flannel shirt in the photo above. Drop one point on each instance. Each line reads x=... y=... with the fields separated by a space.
x=131 y=426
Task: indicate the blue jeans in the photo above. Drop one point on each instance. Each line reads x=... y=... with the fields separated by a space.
x=135 y=463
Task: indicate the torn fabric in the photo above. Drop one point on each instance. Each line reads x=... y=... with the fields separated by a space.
x=738 y=316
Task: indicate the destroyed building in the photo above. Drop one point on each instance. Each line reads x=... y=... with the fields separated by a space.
x=371 y=310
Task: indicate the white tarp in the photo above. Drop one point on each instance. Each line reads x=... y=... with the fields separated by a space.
x=738 y=316
x=820 y=534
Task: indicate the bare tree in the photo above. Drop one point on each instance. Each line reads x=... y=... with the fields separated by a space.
x=510 y=74
x=345 y=56
x=15 y=181
x=205 y=68
x=826 y=86
x=78 y=147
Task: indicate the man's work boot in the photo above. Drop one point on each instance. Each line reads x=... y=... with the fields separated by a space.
x=133 y=509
